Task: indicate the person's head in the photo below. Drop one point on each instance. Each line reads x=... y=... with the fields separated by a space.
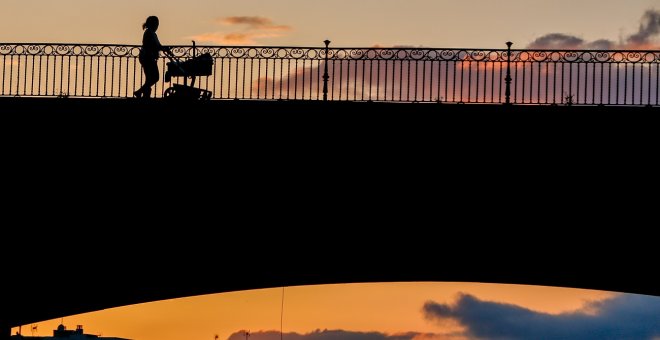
x=151 y=23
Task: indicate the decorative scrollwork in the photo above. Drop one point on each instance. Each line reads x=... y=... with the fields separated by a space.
x=634 y=57
x=417 y=54
x=296 y=53
x=237 y=52
x=572 y=56
x=121 y=51
x=359 y=54
x=5 y=49
x=92 y=50
x=386 y=54
x=179 y=51
x=478 y=55
x=448 y=55
x=602 y=57
x=434 y=65
x=63 y=49
x=315 y=53
x=33 y=49
x=540 y=56
x=266 y=52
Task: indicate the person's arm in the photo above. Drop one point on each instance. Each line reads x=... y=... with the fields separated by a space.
x=155 y=42
x=165 y=49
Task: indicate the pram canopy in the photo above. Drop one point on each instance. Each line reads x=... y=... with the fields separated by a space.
x=197 y=66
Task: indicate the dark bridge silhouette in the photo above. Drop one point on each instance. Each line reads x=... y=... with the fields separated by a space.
x=172 y=271
x=296 y=199
x=330 y=245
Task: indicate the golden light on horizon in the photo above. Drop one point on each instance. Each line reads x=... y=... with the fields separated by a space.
x=390 y=308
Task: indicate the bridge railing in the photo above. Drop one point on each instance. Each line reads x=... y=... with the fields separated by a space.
x=347 y=74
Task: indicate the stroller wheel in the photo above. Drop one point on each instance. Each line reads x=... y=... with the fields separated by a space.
x=169 y=92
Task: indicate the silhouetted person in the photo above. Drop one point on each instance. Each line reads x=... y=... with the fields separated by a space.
x=149 y=56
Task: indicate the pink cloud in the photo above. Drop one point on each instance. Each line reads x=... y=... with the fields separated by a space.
x=256 y=28
x=233 y=38
x=250 y=21
x=254 y=23
x=343 y=334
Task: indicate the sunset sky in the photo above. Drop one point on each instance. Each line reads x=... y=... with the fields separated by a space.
x=428 y=23
x=395 y=311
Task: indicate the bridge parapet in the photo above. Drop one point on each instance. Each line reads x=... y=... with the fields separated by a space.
x=404 y=74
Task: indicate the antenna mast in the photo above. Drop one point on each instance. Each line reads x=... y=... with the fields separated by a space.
x=282 y=316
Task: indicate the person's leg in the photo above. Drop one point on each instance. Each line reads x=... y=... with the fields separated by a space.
x=152 y=76
x=140 y=92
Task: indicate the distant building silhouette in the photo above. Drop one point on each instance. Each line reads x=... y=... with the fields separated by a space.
x=61 y=333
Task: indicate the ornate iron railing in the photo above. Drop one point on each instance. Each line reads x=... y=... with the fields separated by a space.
x=353 y=74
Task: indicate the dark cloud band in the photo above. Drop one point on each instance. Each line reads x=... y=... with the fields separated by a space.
x=649 y=28
x=622 y=317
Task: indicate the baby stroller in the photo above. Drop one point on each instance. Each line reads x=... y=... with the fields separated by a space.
x=197 y=66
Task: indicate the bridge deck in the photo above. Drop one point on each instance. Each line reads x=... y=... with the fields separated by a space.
x=362 y=191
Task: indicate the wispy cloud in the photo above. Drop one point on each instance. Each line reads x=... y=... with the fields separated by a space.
x=253 y=28
x=235 y=38
x=343 y=335
x=649 y=29
x=623 y=317
x=378 y=45
x=254 y=23
x=557 y=41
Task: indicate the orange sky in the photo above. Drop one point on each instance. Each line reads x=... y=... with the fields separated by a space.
x=429 y=23
x=388 y=308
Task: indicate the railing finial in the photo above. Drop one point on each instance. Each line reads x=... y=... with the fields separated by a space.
x=325 y=72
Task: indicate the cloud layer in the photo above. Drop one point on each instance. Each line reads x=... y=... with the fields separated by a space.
x=339 y=335
x=623 y=317
x=649 y=29
x=254 y=23
x=252 y=29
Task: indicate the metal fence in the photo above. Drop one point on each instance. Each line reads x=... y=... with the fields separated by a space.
x=567 y=77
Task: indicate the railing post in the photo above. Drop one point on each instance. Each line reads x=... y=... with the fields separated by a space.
x=325 y=72
x=507 y=80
